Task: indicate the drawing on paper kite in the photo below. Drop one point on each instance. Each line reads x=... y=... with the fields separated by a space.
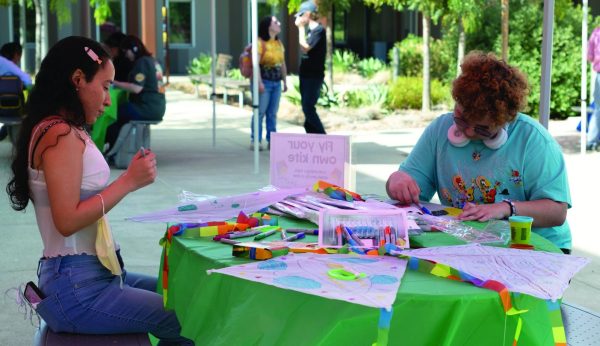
x=540 y=274
x=312 y=274
x=218 y=208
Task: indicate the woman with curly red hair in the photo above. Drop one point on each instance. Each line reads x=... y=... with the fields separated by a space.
x=487 y=158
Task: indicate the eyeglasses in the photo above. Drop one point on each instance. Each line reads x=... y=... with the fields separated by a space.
x=483 y=131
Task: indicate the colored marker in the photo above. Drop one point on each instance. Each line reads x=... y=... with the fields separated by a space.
x=263 y=235
x=423 y=209
x=143 y=151
x=305 y=231
x=338 y=230
x=228 y=241
x=294 y=237
x=243 y=234
x=354 y=237
x=265 y=228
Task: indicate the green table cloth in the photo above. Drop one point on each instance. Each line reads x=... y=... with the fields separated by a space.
x=98 y=134
x=223 y=310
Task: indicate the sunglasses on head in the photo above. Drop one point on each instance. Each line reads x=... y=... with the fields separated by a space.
x=483 y=131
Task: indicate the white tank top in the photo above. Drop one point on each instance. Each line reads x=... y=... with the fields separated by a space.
x=96 y=174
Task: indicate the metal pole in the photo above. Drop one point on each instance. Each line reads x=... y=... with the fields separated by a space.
x=165 y=38
x=213 y=50
x=255 y=72
x=584 y=34
x=546 y=82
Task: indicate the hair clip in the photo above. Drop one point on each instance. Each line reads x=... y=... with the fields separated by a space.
x=93 y=55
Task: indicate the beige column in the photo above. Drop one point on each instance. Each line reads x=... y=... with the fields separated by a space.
x=148 y=12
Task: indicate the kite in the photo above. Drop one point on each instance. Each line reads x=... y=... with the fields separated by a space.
x=218 y=208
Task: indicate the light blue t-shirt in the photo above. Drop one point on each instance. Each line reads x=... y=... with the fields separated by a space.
x=9 y=68
x=529 y=166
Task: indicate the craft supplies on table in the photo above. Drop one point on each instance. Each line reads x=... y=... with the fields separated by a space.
x=363 y=229
x=258 y=251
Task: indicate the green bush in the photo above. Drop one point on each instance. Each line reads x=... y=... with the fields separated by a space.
x=373 y=95
x=368 y=67
x=406 y=93
x=293 y=92
x=442 y=61
x=235 y=74
x=200 y=65
x=344 y=61
x=525 y=52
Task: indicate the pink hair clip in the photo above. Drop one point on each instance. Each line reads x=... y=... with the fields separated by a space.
x=93 y=55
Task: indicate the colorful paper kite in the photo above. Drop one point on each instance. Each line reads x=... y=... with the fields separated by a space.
x=366 y=280
x=540 y=274
x=219 y=208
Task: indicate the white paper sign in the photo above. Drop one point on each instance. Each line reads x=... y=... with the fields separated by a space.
x=299 y=160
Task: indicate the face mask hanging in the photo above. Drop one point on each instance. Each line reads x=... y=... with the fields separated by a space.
x=105 y=245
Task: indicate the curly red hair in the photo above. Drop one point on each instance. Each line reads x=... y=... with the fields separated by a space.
x=489 y=89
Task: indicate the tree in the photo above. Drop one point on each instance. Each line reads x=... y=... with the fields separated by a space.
x=62 y=9
x=466 y=15
x=431 y=10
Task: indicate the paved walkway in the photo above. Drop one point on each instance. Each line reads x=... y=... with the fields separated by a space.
x=187 y=160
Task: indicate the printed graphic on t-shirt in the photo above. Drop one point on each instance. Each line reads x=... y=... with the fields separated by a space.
x=479 y=190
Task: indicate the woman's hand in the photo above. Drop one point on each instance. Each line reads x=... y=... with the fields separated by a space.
x=403 y=188
x=285 y=88
x=485 y=212
x=261 y=87
x=141 y=170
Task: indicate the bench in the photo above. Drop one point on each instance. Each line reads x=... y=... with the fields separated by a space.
x=11 y=105
x=132 y=136
x=582 y=327
x=44 y=336
x=222 y=81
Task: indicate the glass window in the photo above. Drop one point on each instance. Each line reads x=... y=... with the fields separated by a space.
x=29 y=23
x=114 y=22
x=339 y=26
x=180 y=22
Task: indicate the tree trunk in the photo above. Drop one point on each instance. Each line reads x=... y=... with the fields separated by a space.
x=329 y=56
x=41 y=31
x=461 y=45
x=426 y=97
x=23 y=33
x=505 y=30
x=38 y=33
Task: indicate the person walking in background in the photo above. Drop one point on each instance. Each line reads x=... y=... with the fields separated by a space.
x=57 y=167
x=593 y=57
x=272 y=72
x=10 y=58
x=145 y=86
x=311 y=37
x=122 y=64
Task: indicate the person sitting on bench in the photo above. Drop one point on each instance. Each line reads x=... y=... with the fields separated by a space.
x=10 y=57
x=145 y=85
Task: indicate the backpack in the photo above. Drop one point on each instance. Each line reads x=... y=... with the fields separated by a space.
x=245 y=60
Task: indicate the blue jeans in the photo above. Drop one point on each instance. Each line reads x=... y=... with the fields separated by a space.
x=268 y=104
x=310 y=90
x=82 y=296
x=594 y=125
